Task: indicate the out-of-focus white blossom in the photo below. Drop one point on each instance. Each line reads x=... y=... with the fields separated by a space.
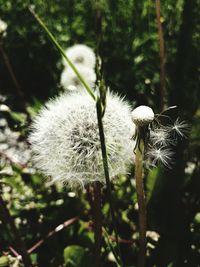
x=81 y=54
x=3 y=27
x=65 y=139
x=71 y=82
x=11 y=147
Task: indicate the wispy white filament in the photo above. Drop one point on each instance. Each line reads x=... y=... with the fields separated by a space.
x=160 y=155
x=65 y=139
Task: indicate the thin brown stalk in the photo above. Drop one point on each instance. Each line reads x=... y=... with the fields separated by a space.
x=9 y=221
x=13 y=77
x=97 y=224
x=53 y=232
x=141 y=204
x=162 y=57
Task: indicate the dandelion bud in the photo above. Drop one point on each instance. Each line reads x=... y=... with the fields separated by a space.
x=142 y=115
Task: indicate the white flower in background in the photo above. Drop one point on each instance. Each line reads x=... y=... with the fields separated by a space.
x=65 y=139
x=3 y=27
x=70 y=81
x=12 y=148
x=81 y=54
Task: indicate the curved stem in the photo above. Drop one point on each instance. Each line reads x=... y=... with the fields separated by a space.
x=141 y=203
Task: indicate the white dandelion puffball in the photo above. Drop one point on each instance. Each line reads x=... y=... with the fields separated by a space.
x=142 y=115
x=3 y=26
x=65 y=139
x=81 y=54
x=70 y=81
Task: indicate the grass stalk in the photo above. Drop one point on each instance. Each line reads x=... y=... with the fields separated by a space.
x=57 y=45
x=107 y=176
x=162 y=56
x=97 y=223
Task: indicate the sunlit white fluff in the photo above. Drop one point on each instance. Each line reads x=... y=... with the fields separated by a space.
x=160 y=137
x=180 y=128
x=3 y=26
x=161 y=155
x=81 y=54
x=70 y=81
x=65 y=139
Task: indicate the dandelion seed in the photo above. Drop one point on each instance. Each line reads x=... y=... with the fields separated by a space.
x=160 y=155
x=180 y=128
x=81 y=54
x=65 y=139
x=160 y=137
x=70 y=81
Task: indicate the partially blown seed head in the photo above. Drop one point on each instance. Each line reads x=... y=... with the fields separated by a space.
x=65 y=139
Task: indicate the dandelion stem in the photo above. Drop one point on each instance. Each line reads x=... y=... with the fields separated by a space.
x=106 y=172
x=57 y=45
x=97 y=223
x=141 y=202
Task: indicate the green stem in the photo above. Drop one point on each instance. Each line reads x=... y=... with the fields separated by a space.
x=141 y=202
x=57 y=45
x=106 y=172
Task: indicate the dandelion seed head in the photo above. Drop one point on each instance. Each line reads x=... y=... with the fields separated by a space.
x=142 y=115
x=70 y=81
x=65 y=139
x=81 y=54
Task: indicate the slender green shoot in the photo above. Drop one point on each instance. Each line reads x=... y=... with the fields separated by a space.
x=106 y=172
x=60 y=49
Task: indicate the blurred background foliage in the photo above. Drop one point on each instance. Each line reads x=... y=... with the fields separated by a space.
x=130 y=53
